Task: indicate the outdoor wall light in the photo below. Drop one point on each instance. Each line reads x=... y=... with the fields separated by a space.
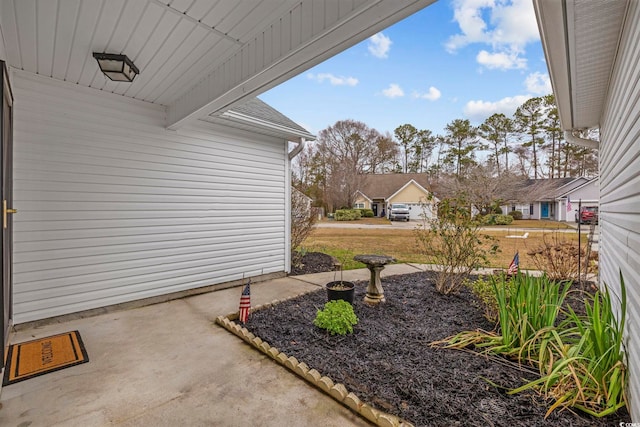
x=118 y=68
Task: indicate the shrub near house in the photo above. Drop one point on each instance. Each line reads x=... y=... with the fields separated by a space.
x=347 y=214
x=496 y=219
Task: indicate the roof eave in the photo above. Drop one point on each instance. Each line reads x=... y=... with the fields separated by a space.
x=285 y=131
x=420 y=187
x=580 y=41
x=552 y=24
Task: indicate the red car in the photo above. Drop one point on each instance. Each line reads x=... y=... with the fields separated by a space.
x=587 y=214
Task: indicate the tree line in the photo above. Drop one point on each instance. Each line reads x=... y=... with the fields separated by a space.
x=529 y=144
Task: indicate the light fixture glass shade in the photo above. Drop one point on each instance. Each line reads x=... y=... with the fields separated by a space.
x=118 y=68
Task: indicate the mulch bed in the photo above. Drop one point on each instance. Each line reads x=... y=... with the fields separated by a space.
x=389 y=363
x=313 y=262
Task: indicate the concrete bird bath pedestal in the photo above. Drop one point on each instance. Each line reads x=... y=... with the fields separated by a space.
x=375 y=264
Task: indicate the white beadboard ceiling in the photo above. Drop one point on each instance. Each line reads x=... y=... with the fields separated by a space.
x=580 y=39
x=196 y=57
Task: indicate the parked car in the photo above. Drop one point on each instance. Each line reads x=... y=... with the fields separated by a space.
x=399 y=211
x=587 y=214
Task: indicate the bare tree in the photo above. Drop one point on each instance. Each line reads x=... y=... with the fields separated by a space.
x=302 y=222
x=522 y=156
x=346 y=150
x=384 y=154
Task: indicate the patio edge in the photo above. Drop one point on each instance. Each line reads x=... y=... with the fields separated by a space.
x=337 y=391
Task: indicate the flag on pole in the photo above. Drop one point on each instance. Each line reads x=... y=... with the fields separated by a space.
x=245 y=303
x=514 y=266
x=569 y=204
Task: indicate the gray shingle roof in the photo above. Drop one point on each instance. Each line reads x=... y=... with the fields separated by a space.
x=541 y=189
x=259 y=109
x=380 y=186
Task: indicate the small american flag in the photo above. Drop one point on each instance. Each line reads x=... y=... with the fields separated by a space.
x=569 y=204
x=514 y=266
x=245 y=303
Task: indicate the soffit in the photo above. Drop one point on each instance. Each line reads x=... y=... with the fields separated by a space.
x=173 y=43
x=580 y=39
x=196 y=57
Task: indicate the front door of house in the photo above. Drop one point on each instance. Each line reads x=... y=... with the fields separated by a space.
x=6 y=174
x=544 y=210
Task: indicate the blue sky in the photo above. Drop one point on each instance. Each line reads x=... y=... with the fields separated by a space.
x=454 y=59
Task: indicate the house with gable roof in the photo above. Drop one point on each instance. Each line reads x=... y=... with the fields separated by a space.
x=379 y=191
x=548 y=198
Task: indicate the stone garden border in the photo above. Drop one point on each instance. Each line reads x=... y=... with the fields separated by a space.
x=336 y=390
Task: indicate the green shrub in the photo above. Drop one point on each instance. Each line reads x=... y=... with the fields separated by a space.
x=483 y=289
x=494 y=219
x=503 y=219
x=515 y=214
x=367 y=213
x=337 y=317
x=347 y=214
x=489 y=219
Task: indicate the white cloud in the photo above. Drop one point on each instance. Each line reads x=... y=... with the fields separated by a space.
x=468 y=15
x=393 y=91
x=501 y=60
x=379 y=45
x=505 y=25
x=538 y=83
x=478 y=111
x=432 y=95
x=495 y=22
x=334 y=80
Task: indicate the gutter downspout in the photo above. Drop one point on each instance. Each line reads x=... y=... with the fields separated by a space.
x=297 y=149
x=287 y=240
x=570 y=137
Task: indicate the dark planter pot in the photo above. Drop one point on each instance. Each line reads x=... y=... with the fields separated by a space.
x=340 y=290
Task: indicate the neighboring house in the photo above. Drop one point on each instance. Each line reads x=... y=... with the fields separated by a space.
x=587 y=194
x=547 y=198
x=379 y=191
x=592 y=52
x=171 y=183
x=300 y=202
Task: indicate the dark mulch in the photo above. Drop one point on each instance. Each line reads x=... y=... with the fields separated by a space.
x=389 y=363
x=313 y=262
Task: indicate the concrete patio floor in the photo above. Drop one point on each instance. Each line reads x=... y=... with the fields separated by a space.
x=168 y=364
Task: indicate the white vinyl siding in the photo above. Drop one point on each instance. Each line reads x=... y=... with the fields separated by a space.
x=113 y=207
x=620 y=189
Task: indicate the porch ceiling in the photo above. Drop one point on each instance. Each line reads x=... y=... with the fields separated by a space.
x=580 y=40
x=196 y=57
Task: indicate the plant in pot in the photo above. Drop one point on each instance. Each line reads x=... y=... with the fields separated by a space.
x=340 y=289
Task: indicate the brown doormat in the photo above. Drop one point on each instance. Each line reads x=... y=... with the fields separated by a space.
x=38 y=357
